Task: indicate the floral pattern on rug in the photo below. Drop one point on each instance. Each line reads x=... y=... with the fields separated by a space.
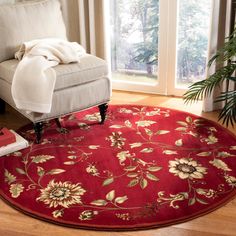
x=145 y=167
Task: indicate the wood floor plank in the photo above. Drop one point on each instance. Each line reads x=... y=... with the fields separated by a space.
x=221 y=222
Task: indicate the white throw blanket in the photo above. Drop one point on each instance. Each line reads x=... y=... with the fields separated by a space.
x=34 y=78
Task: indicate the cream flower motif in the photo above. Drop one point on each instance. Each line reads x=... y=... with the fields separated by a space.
x=231 y=180
x=187 y=169
x=212 y=129
x=61 y=194
x=83 y=126
x=209 y=193
x=117 y=140
x=16 y=190
x=87 y=215
x=124 y=110
x=91 y=169
x=57 y=213
x=123 y=155
x=211 y=139
x=93 y=117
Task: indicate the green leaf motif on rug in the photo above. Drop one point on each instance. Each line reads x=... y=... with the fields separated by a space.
x=9 y=178
x=220 y=164
x=108 y=181
x=41 y=158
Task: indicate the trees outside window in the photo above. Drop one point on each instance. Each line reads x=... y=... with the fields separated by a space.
x=192 y=43
x=134 y=35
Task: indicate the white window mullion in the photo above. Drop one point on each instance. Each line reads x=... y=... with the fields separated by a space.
x=172 y=47
x=163 y=47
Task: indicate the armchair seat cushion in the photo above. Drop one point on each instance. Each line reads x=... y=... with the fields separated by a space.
x=89 y=68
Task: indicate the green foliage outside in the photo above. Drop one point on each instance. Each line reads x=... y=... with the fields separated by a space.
x=135 y=34
x=193 y=35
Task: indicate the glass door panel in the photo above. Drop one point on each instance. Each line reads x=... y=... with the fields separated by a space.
x=192 y=41
x=134 y=28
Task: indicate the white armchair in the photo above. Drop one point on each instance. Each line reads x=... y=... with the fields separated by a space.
x=78 y=85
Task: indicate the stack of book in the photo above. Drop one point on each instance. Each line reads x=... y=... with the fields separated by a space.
x=10 y=142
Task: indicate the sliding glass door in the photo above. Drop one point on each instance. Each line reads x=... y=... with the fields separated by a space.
x=158 y=46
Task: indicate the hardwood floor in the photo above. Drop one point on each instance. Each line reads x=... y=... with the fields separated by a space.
x=219 y=222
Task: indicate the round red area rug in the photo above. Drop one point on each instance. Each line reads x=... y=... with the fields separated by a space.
x=145 y=167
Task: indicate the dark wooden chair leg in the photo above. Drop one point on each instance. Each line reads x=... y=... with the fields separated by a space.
x=103 y=111
x=38 y=128
x=2 y=106
x=58 y=123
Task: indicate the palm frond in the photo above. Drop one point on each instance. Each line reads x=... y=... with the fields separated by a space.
x=227 y=52
x=232 y=79
x=204 y=88
x=228 y=112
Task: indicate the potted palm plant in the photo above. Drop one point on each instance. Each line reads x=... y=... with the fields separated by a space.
x=226 y=58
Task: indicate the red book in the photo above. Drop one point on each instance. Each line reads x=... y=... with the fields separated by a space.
x=6 y=137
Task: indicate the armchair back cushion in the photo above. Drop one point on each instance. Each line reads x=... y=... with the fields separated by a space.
x=27 y=21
